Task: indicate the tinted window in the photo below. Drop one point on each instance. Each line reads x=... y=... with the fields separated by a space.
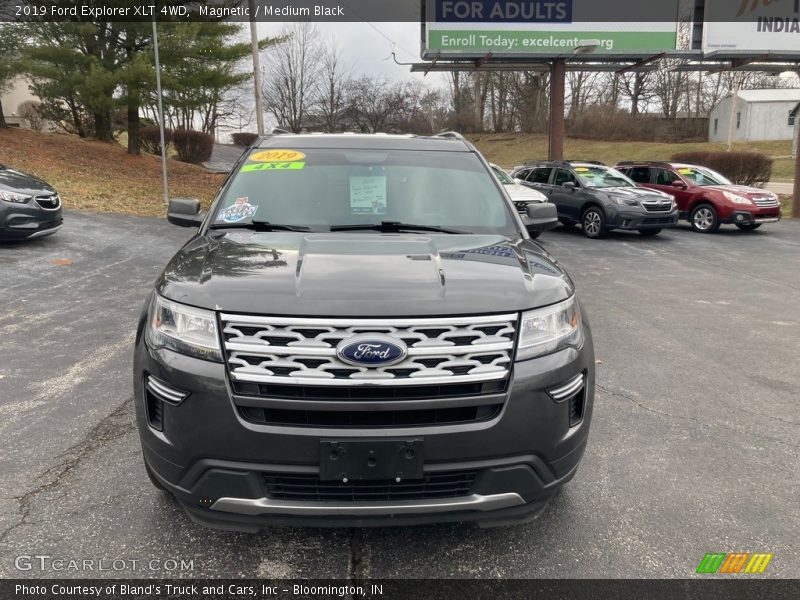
x=638 y=174
x=319 y=188
x=665 y=177
x=563 y=176
x=541 y=175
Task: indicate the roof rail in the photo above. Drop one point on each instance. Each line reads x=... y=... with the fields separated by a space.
x=647 y=163
x=449 y=134
x=588 y=162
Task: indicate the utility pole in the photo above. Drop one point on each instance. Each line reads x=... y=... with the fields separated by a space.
x=732 y=121
x=256 y=68
x=160 y=115
x=476 y=82
x=558 y=75
x=796 y=190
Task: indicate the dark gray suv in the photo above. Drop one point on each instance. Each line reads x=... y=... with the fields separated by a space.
x=599 y=198
x=361 y=332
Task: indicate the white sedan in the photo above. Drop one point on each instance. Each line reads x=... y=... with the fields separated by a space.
x=520 y=194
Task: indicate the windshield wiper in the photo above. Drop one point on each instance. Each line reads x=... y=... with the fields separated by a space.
x=395 y=227
x=260 y=226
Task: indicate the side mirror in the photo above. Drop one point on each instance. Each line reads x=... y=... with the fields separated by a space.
x=185 y=212
x=541 y=217
x=570 y=185
x=679 y=184
x=518 y=181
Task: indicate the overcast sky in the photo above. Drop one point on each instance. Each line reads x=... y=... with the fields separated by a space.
x=366 y=47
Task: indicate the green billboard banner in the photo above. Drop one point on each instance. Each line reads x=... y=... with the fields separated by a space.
x=546 y=42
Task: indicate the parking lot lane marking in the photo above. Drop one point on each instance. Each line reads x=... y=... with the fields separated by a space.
x=81 y=371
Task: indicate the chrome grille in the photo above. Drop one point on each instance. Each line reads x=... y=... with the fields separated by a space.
x=766 y=201
x=51 y=202
x=657 y=205
x=303 y=351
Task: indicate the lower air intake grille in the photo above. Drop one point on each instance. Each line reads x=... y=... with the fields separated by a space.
x=576 y=405
x=309 y=487
x=369 y=419
x=155 y=411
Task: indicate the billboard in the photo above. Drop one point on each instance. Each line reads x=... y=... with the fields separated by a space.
x=541 y=28
x=752 y=26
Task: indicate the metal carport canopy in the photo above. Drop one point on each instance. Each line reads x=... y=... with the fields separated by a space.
x=559 y=64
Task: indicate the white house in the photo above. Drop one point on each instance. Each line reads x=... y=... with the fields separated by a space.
x=12 y=97
x=758 y=115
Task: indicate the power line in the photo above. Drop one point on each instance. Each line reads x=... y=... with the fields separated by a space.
x=390 y=40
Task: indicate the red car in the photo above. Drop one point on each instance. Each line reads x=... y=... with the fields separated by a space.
x=704 y=197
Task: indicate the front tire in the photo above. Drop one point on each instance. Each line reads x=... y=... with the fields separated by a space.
x=650 y=232
x=704 y=219
x=748 y=226
x=593 y=223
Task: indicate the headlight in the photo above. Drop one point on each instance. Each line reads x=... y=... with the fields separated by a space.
x=184 y=329
x=736 y=199
x=628 y=201
x=15 y=197
x=547 y=330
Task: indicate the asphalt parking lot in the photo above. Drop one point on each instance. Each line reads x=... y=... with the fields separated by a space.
x=694 y=445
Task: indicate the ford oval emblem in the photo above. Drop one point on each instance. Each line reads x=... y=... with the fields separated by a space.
x=370 y=350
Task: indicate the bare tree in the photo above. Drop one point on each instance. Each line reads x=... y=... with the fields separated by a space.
x=637 y=88
x=291 y=73
x=530 y=100
x=377 y=105
x=331 y=89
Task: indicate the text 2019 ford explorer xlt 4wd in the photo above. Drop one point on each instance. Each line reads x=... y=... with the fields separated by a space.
x=361 y=332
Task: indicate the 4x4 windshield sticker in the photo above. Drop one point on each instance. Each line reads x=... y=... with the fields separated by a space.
x=240 y=210
x=273 y=166
x=277 y=156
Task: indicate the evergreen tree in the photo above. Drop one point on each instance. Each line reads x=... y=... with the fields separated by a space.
x=9 y=61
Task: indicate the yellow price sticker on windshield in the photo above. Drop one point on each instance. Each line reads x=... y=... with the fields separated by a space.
x=274 y=166
x=582 y=169
x=284 y=156
x=685 y=171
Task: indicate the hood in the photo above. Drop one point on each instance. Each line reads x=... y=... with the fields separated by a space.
x=520 y=193
x=363 y=275
x=17 y=181
x=741 y=190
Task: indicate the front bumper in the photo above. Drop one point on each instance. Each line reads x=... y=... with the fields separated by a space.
x=25 y=221
x=745 y=217
x=636 y=219
x=218 y=464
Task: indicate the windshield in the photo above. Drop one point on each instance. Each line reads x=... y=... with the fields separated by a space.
x=323 y=188
x=602 y=177
x=703 y=176
x=504 y=177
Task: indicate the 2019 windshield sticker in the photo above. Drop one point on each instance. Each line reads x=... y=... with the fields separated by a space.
x=278 y=156
x=273 y=166
x=240 y=210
